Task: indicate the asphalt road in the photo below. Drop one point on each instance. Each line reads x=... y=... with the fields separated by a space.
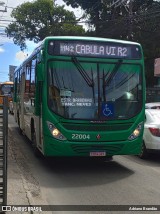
x=126 y=180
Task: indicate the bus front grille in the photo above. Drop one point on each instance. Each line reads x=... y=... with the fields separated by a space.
x=95 y=127
x=85 y=149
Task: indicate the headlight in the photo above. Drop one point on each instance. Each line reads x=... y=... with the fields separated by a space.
x=55 y=132
x=136 y=132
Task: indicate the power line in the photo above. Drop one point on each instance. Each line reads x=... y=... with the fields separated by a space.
x=8 y=7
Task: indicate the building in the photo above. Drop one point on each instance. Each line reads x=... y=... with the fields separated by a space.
x=11 y=72
x=157 y=68
x=153 y=93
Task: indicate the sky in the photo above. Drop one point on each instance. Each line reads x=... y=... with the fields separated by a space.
x=10 y=54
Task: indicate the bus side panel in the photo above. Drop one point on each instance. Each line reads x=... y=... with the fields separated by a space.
x=39 y=133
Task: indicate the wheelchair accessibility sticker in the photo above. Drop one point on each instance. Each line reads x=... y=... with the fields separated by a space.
x=107 y=110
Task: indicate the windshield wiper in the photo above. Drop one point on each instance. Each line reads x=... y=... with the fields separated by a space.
x=110 y=77
x=81 y=70
x=84 y=74
x=113 y=73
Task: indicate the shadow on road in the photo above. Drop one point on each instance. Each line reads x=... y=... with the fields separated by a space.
x=64 y=171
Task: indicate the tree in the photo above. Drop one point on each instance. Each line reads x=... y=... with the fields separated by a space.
x=112 y=18
x=36 y=20
x=129 y=20
x=146 y=30
x=92 y=9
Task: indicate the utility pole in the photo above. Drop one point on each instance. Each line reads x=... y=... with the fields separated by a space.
x=130 y=36
x=128 y=4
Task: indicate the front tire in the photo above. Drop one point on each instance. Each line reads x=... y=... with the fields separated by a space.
x=143 y=154
x=37 y=153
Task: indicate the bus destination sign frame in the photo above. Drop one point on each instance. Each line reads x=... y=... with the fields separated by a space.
x=95 y=49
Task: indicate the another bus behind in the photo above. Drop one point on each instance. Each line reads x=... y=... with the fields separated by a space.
x=6 y=89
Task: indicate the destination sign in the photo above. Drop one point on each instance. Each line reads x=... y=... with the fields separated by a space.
x=95 y=49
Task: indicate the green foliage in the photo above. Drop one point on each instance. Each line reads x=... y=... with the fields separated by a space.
x=133 y=20
x=94 y=10
x=36 y=20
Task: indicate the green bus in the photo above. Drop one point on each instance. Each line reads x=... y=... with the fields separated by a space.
x=82 y=96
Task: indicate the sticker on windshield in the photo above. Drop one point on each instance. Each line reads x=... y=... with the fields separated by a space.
x=65 y=93
x=77 y=102
x=107 y=110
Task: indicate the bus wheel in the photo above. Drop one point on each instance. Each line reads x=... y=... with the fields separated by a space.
x=34 y=145
x=143 y=154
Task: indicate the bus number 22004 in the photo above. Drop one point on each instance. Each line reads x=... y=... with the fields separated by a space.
x=80 y=136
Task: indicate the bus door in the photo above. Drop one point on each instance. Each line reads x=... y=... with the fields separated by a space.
x=38 y=107
x=21 y=107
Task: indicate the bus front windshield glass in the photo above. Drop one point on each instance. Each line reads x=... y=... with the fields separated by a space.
x=94 y=90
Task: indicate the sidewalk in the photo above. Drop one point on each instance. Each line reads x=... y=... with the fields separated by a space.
x=19 y=190
x=16 y=190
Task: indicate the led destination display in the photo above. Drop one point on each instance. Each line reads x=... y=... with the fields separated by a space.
x=95 y=49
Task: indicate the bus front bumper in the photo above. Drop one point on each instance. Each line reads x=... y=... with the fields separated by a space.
x=53 y=147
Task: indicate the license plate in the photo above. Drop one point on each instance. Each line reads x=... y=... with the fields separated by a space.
x=97 y=154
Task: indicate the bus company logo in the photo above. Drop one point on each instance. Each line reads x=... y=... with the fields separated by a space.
x=98 y=137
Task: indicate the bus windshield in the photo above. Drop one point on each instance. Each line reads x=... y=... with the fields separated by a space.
x=94 y=90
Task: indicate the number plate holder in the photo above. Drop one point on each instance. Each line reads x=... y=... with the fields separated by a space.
x=97 y=154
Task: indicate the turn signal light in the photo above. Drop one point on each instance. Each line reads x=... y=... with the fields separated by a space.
x=55 y=132
x=136 y=132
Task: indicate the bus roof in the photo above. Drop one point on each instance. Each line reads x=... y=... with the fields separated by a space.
x=86 y=38
x=80 y=38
